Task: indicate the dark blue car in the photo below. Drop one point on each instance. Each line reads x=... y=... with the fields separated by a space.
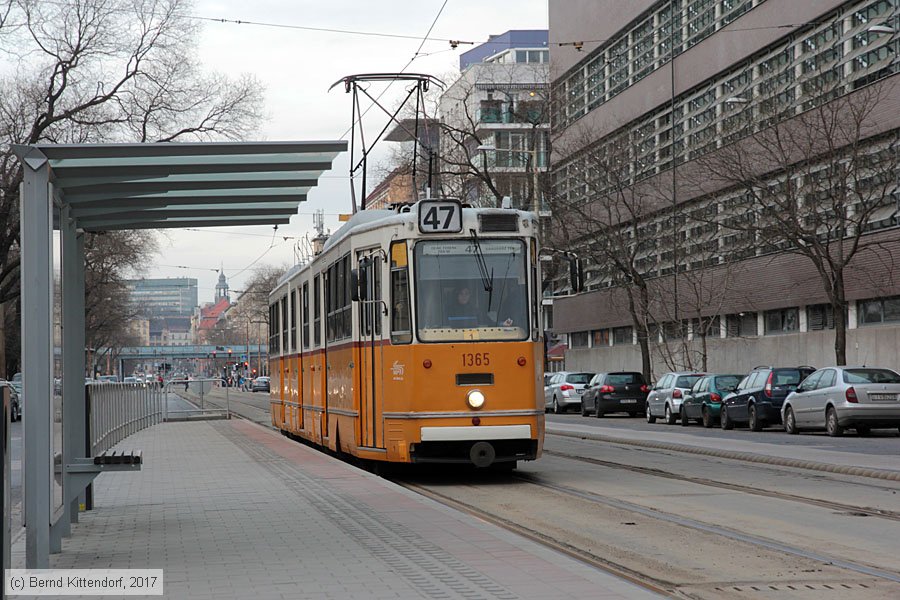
x=759 y=396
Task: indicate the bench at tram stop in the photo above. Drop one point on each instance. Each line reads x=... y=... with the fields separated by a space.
x=110 y=460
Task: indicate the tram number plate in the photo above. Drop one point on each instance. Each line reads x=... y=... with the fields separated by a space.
x=476 y=359
x=440 y=216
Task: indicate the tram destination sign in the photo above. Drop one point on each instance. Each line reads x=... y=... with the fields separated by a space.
x=440 y=216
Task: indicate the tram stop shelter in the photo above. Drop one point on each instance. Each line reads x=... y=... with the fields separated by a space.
x=81 y=188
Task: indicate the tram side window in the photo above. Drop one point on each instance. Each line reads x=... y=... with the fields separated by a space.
x=293 y=320
x=284 y=325
x=401 y=332
x=305 y=313
x=317 y=313
x=376 y=286
x=337 y=300
x=329 y=304
x=346 y=306
x=274 y=328
x=371 y=309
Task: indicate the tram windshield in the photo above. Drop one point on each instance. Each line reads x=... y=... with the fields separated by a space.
x=471 y=291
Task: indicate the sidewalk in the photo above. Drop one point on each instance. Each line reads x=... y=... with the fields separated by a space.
x=230 y=509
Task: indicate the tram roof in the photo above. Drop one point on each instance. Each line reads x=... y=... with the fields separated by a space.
x=169 y=185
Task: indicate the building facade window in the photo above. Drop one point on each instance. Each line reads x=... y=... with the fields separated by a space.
x=785 y=320
x=819 y=317
x=879 y=310
x=578 y=339
x=741 y=325
x=623 y=335
x=600 y=337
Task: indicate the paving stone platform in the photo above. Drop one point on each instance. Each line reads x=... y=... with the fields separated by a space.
x=230 y=509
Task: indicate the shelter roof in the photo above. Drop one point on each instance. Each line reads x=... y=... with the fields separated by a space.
x=168 y=185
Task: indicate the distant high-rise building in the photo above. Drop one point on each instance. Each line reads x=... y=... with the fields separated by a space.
x=168 y=304
x=170 y=297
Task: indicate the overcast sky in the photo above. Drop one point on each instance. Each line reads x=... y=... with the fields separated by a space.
x=297 y=66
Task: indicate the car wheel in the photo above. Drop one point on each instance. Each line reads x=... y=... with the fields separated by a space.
x=863 y=430
x=831 y=423
x=555 y=406
x=670 y=416
x=790 y=422
x=684 y=420
x=724 y=420
x=650 y=417
x=584 y=411
x=756 y=424
x=707 y=418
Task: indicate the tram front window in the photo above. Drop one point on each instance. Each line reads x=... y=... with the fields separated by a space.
x=466 y=291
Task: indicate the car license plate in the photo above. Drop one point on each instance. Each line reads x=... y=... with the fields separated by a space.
x=628 y=401
x=883 y=397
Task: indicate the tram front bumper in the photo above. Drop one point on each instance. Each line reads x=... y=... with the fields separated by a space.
x=478 y=445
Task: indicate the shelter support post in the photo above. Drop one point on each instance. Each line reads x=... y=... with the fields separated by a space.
x=36 y=234
x=73 y=343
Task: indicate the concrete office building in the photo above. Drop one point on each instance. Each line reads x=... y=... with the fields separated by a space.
x=740 y=68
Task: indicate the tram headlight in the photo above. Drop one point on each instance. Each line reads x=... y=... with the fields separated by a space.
x=475 y=399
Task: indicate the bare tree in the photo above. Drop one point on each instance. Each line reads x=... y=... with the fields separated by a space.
x=472 y=107
x=607 y=217
x=817 y=185
x=110 y=258
x=104 y=71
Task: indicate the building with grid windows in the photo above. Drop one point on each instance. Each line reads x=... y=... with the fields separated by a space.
x=684 y=133
x=494 y=122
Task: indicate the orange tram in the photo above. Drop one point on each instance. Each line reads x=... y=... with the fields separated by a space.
x=414 y=337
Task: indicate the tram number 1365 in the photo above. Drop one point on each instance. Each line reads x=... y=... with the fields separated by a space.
x=440 y=216
x=476 y=359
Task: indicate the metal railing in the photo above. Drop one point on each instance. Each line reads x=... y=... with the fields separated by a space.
x=195 y=392
x=117 y=410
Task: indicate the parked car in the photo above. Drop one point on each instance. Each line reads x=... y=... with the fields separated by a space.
x=703 y=402
x=664 y=400
x=564 y=391
x=132 y=380
x=838 y=398
x=15 y=403
x=615 y=392
x=108 y=379
x=260 y=384
x=759 y=396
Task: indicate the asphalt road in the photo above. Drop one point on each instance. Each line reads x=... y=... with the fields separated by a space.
x=882 y=441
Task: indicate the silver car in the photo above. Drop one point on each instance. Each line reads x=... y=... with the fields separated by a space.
x=665 y=398
x=564 y=391
x=837 y=398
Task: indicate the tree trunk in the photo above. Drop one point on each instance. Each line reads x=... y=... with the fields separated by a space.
x=3 y=373
x=639 y=320
x=839 y=313
x=704 y=331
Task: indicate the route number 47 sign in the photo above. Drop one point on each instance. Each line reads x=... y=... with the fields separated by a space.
x=440 y=216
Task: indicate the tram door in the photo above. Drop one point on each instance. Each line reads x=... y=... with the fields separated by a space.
x=370 y=333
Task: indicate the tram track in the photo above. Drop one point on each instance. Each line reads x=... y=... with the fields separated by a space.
x=639 y=577
x=656 y=585
x=850 y=509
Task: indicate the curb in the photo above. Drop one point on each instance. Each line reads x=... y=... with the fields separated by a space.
x=743 y=456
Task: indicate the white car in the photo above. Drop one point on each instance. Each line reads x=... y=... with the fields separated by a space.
x=564 y=391
x=837 y=398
